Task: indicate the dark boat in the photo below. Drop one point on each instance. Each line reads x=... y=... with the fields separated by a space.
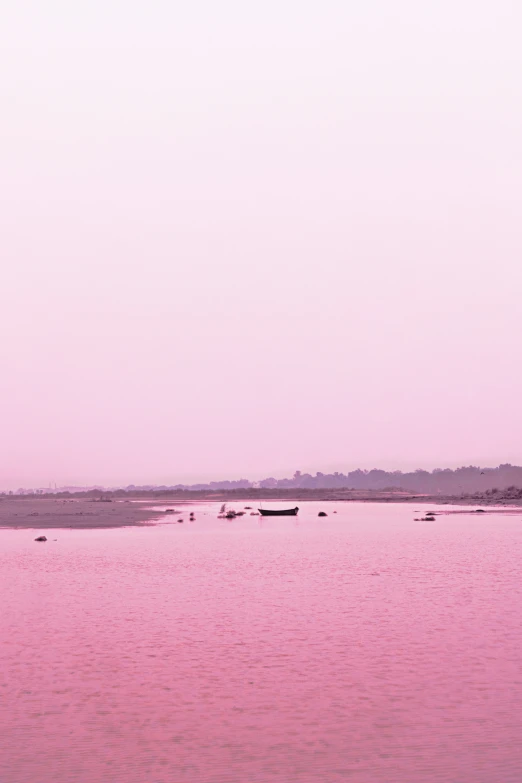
x=283 y=512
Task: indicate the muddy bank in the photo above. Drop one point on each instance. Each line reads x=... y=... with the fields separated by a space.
x=47 y=513
x=254 y=496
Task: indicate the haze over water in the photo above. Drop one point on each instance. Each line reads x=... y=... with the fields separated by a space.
x=290 y=222
x=365 y=647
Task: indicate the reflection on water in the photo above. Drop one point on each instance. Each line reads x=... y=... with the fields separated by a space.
x=363 y=646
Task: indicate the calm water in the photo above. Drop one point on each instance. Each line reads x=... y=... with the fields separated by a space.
x=363 y=647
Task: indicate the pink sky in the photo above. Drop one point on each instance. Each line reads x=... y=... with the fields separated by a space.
x=241 y=241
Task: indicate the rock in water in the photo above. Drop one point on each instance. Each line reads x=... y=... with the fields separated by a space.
x=41 y=538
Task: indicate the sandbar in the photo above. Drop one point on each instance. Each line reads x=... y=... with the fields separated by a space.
x=46 y=513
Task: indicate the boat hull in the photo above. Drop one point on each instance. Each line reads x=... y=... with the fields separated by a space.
x=285 y=512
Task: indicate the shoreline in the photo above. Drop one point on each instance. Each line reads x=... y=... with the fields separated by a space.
x=87 y=513
x=46 y=514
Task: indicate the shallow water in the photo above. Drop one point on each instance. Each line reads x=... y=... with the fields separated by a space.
x=364 y=647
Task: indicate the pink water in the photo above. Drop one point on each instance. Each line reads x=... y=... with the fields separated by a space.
x=363 y=647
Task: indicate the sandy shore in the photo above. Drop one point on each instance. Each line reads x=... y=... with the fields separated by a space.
x=47 y=513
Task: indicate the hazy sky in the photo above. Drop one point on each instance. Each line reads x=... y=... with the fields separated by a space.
x=241 y=239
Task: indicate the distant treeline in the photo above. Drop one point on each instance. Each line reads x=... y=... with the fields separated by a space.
x=461 y=481
x=443 y=481
x=439 y=481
